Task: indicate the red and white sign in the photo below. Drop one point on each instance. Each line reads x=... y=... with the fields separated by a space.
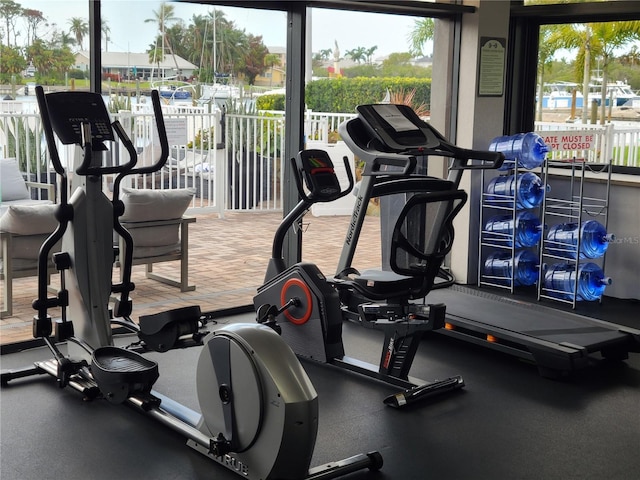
x=568 y=140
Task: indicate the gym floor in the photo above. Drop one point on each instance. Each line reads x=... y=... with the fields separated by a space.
x=507 y=423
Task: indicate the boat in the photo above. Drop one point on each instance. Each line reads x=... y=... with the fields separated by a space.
x=173 y=92
x=560 y=95
x=218 y=93
x=618 y=91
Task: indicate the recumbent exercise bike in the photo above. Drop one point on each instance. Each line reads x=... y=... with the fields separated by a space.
x=309 y=308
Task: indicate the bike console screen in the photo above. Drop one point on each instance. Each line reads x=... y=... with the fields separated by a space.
x=397 y=126
x=68 y=111
x=316 y=168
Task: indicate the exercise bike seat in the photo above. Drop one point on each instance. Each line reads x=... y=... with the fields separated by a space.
x=375 y=284
x=422 y=236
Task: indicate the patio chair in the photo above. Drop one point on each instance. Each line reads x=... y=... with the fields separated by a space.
x=156 y=221
x=23 y=230
x=15 y=190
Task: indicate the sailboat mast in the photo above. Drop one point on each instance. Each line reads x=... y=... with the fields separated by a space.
x=215 y=47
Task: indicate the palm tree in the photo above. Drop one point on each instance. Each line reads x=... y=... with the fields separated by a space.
x=595 y=41
x=106 y=30
x=163 y=17
x=549 y=41
x=423 y=31
x=326 y=53
x=357 y=54
x=609 y=37
x=79 y=28
x=369 y=53
x=271 y=60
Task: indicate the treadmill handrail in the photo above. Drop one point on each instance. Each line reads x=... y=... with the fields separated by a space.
x=361 y=136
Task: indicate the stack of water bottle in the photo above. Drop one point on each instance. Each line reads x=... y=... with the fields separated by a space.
x=574 y=280
x=518 y=190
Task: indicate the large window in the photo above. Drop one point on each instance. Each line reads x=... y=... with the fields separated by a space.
x=222 y=71
x=585 y=73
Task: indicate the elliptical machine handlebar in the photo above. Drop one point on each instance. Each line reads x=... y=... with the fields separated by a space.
x=164 y=146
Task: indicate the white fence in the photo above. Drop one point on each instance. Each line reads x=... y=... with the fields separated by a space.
x=235 y=162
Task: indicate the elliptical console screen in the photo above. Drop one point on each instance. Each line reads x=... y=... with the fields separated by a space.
x=69 y=110
x=397 y=126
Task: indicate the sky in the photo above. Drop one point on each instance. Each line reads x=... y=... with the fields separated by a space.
x=129 y=32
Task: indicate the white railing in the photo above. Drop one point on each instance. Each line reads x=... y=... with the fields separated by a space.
x=235 y=161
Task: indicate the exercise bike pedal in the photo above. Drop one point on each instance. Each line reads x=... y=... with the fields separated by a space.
x=421 y=392
x=121 y=373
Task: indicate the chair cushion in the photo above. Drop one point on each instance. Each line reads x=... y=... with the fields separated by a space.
x=29 y=219
x=142 y=205
x=12 y=185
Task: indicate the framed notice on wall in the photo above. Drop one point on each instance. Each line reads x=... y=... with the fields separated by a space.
x=491 y=66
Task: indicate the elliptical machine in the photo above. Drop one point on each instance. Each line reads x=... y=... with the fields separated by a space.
x=259 y=408
x=309 y=308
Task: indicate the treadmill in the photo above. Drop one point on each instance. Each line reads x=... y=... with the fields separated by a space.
x=557 y=342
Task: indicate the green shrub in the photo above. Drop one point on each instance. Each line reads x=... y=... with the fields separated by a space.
x=270 y=102
x=342 y=95
x=77 y=74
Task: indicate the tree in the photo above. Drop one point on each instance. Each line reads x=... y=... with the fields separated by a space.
x=325 y=54
x=163 y=17
x=609 y=37
x=595 y=42
x=105 y=30
x=11 y=62
x=369 y=53
x=271 y=60
x=40 y=56
x=33 y=19
x=79 y=29
x=550 y=40
x=253 y=60
x=233 y=45
x=10 y=11
x=62 y=39
x=423 y=31
x=358 y=54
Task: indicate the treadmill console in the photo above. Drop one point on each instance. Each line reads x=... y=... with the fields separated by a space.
x=397 y=127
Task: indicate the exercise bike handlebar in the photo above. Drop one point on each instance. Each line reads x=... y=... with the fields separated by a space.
x=321 y=196
x=317 y=195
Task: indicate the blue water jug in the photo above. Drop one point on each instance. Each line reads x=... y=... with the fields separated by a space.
x=562 y=240
x=527 y=189
x=528 y=229
x=559 y=280
x=499 y=266
x=527 y=149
